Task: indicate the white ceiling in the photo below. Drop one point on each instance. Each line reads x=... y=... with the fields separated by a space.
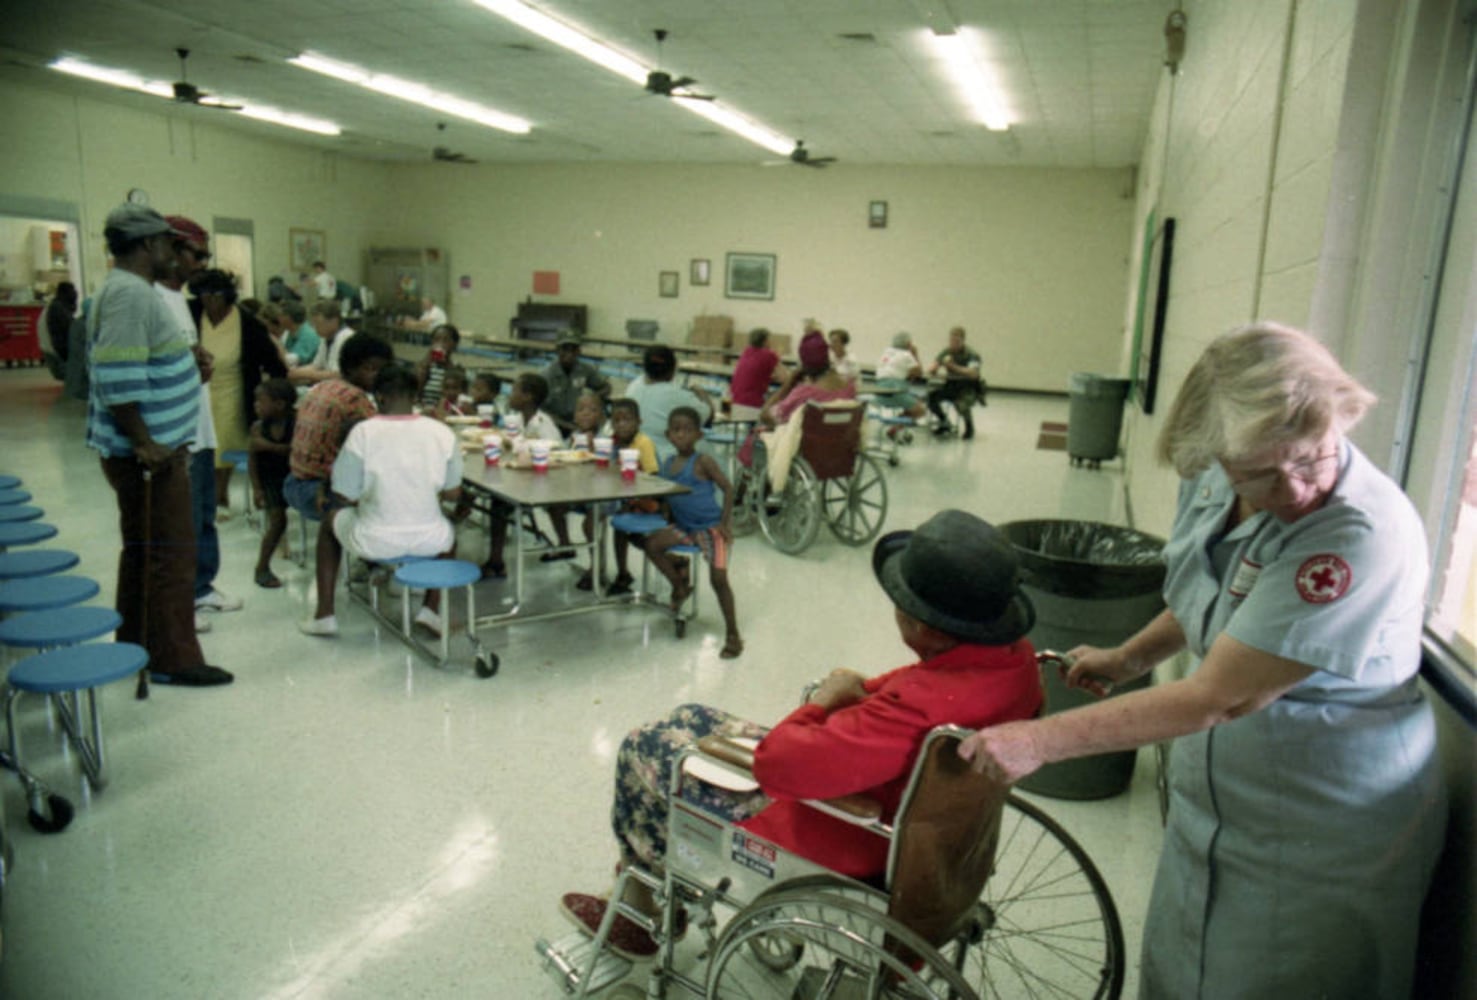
x=1080 y=74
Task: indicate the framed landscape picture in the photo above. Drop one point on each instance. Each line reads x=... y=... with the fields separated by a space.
x=304 y=247
x=667 y=284
x=750 y=276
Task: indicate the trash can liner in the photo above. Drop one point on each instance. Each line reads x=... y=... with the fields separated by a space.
x=1087 y=559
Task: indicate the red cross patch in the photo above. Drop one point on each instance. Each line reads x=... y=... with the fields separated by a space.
x=1323 y=578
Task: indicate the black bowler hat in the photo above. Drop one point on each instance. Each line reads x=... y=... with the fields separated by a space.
x=957 y=574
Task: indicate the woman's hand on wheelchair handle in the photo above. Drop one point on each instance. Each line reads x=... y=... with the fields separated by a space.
x=1007 y=752
x=841 y=687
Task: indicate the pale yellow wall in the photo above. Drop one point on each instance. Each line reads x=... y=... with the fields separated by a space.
x=1031 y=262
x=91 y=153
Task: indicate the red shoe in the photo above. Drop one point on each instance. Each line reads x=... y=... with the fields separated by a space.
x=625 y=938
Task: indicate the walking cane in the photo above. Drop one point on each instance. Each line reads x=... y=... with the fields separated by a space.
x=141 y=693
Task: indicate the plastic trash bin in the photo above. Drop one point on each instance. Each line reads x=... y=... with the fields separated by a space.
x=1095 y=418
x=1093 y=584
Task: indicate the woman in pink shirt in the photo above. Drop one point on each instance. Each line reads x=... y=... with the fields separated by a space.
x=751 y=376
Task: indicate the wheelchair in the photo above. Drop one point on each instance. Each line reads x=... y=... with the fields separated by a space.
x=832 y=479
x=985 y=896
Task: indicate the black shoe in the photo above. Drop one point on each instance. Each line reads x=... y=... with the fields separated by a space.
x=199 y=676
x=621 y=584
x=585 y=582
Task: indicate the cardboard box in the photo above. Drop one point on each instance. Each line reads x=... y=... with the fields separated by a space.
x=712 y=331
x=781 y=344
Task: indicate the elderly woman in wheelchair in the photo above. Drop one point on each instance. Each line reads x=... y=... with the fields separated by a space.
x=954 y=584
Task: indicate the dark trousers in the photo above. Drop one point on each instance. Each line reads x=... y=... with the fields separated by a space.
x=156 y=569
x=202 y=508
x=962 y=393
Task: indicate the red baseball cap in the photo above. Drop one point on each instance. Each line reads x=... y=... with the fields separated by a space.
x=190 y=231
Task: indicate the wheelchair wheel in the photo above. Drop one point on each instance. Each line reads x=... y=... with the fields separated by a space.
x=748 y=488
x=855 y=507
x=791 y=518
x=847 y=948
x=1046 y=924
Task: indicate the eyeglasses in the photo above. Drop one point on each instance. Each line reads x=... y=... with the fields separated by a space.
x=1261 y=483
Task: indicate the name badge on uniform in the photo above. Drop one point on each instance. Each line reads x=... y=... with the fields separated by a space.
x=1244 y=578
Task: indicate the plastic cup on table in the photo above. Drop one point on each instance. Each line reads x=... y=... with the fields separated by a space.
x=603 y=448
x=484 y=414
x=630 y=459
x=538 y=452
x=513 y=424
x=492 y=449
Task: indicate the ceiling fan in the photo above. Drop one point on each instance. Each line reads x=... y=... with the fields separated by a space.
x=800 y=156
x=665 y=84
x=187 y=93
x=443 y=155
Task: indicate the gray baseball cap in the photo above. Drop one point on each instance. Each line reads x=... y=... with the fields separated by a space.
x=135 y=222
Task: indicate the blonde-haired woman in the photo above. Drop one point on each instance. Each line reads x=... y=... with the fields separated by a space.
x=1307 y=809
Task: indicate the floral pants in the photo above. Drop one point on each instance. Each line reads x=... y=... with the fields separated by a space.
x=643 y=779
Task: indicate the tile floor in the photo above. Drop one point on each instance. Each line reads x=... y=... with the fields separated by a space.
x=348 y=822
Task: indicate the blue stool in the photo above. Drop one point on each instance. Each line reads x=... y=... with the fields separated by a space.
x=64 y=673
x=894 y=429
x=36 y=562
x=13 y=533
x=242 y=461
x=444 y=575
x=8 y=482
x=13 y=496
x=20 y=512
x=43 y=592
x=59 y=627
x=638 y=524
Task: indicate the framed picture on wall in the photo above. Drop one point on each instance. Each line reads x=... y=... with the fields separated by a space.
x=877 y=215
x=304 y=246
x=700 y=271
x=750 y=276
x=667 y=284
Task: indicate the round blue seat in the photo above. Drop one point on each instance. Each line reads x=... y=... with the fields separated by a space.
x=638 y=524
x=8 y=482
x=59 y=626
x=24 y=533
x=240 y=459
x=76 y=668
x=36 y=562
x=438 y=574
x=13 y=496
x=895 y=419
x=20 y=512
x=720 y=437
x=44 y=592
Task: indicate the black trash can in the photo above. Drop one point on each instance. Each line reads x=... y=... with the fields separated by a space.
x=1095 y=417
x=1093 y=584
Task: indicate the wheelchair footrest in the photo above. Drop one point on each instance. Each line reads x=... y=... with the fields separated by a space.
x=568 y=958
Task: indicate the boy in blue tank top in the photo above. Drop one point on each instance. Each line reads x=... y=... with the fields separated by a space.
x=699 y=518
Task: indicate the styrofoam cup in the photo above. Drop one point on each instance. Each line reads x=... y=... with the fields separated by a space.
x=604 y=446
x=538 y=453
x=630 y=460
x=492 y=448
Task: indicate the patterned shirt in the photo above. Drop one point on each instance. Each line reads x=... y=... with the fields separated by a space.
x=324 y=418
x=138 y=354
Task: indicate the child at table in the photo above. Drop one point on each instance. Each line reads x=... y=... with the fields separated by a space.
x=432 y=369
x=589 y=416
x=699 y=518
x=270 y=446
x=484 y=391
x=529 y=392
x=454 y=400
x=625 y=432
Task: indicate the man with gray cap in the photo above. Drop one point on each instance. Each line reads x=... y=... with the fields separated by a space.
x=568 y=377
x=955 y=588
x=141 y=417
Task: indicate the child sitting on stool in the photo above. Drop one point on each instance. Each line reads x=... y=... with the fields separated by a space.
x=529 y=393
x=589 y=422
x=698 y=518
x=393 y=471
x=625 y=432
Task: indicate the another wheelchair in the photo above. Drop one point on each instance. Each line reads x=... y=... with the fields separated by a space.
x=772 y=924
x=831 y=479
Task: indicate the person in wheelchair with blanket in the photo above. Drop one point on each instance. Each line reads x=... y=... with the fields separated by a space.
x=954 y=584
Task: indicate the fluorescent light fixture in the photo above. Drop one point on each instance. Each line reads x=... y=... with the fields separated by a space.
x=973 y=77
x=563 y=35
x=623 y=65
x=159 y=88
x=114 y=77
x=413 y=92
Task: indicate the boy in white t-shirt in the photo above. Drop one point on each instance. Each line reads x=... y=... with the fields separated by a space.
x=394 y=470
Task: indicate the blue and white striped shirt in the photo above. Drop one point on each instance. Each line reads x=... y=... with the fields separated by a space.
x=138 y=354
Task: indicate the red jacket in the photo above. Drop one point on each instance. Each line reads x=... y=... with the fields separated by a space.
x=868 y=748
x=750 y=382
